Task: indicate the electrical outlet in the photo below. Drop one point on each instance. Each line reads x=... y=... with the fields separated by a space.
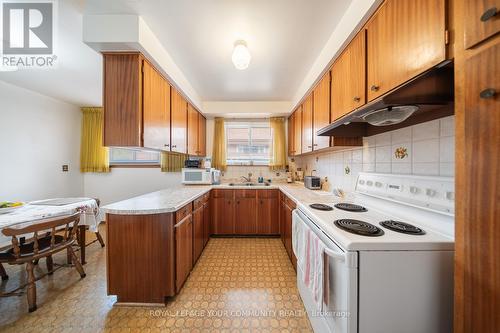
x=65 y=168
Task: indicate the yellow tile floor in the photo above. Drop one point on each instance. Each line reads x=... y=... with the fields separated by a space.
x=237 y=285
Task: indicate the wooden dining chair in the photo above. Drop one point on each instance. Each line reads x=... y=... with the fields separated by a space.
x=49 y=236
x=97 y=234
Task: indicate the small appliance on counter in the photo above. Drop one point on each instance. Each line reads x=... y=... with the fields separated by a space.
x=192 y=163
x=312 y=182
x=197 y=176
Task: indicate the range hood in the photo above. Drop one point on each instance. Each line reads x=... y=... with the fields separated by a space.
x=426 y=97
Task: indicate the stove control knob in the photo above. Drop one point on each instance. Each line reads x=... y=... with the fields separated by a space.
x=361 y=181
x=430 y=192
x=369 y=183
x=378 y=184
x=450 y=195
x=414 y=190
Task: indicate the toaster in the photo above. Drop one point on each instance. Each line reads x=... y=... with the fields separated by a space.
x=312 y=182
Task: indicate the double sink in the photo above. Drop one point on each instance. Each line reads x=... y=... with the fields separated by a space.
x=249 y=184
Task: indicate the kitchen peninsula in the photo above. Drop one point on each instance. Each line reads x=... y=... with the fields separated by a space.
x=154 y=240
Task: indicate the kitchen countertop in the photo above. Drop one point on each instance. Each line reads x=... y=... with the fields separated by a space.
x=173 y=198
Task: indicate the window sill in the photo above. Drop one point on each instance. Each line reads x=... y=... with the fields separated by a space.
x=247 y=165
x=138 y=166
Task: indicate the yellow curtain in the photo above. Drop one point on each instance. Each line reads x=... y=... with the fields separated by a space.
x=219 y=149
x=94 y=157
x=172 y=162
x=278 y=153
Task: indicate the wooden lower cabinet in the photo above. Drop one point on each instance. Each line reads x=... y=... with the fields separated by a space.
x=183 y=250
x=206 y=222
x=245 y=212
x=140 y=264
x=268 y=212
x=198 y=233
x=222 y=202
x=287 y=206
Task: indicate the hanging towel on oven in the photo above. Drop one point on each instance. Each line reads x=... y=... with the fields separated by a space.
x=316 y=263
x=298 y=240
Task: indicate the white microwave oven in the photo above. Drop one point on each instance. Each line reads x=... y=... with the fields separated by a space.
x=200 y=176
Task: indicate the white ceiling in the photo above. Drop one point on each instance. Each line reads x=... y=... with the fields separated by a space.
x=283 y=36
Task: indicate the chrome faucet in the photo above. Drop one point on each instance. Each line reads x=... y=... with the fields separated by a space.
x=247 y=179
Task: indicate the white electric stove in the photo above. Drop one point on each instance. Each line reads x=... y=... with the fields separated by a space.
x=391 y=256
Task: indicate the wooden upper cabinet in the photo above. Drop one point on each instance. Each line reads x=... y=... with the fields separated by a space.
x=202 y=135
x=404 y=38
x=297 y=136
x=307 y=124
x=321 y=112
x=179 y=122
x=122 y=100
x=481 y=21
x=192 y=127
x=156 y=109
x=349 y=78
x=291 y=132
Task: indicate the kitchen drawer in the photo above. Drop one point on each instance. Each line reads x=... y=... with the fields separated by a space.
x=268 y=194
x=197 y=203
x=219 y=193
x=245 y=193
x=183 y=212
x=290 y=203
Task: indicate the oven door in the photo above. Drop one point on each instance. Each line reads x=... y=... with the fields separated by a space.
x=340 y=314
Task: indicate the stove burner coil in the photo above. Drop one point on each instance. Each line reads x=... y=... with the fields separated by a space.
x=321 y=207
x=402 y=227
x=350 y=207
x=359 y=227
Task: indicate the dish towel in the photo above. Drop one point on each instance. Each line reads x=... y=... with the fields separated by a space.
x=315 y=265
x=298 y=240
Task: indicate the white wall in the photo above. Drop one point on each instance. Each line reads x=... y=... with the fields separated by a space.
x=125 y=183
x=38 y=135
x=430 y=148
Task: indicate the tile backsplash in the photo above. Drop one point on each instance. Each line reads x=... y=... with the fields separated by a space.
x=234 y=173
x=423 y=149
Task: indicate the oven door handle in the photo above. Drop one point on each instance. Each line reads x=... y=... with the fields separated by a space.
x=335 y=255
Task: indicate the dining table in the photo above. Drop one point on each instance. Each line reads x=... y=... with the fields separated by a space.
x=34 y=211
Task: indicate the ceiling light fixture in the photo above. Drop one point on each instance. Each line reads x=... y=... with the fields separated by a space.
x=241 y=56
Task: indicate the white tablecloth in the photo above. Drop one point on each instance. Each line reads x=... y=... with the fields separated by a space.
x=32 y=213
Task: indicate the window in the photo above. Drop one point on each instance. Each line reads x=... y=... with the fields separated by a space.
x=127 y=156
x=248 y=143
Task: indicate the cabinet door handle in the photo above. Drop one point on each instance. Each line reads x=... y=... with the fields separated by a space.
x=174 y=146
x=488 y=14
x=357 y=99
x=166 y=145
x=315 y=145
x=374 y=88
x=487 y=93
x=238 y=202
